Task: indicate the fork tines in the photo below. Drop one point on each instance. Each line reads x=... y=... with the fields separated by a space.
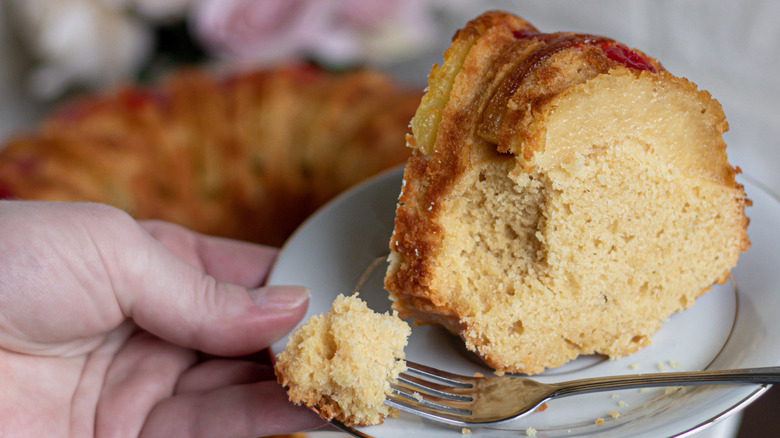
x=441 y=375
x=432 y=393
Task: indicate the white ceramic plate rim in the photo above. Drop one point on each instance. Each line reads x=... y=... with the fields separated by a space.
x=301 y=253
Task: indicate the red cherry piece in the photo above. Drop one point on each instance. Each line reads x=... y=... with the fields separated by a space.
x=628 y=57
x=612 y=50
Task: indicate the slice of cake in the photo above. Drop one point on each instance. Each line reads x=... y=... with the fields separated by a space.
x=341 y=363
x=567 y=195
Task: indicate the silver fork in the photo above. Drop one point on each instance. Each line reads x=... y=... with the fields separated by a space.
x=468 y=401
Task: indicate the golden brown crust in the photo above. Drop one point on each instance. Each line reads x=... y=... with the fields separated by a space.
x=415 y=228
x=248 y=156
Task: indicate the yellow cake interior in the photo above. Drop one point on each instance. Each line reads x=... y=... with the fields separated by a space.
x=341 y=363
x=524 y=254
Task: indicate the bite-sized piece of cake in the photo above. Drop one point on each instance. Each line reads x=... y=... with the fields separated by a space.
x=341 y=363
x=567 y=195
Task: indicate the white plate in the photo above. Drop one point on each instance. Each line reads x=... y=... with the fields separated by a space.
x=733 y=325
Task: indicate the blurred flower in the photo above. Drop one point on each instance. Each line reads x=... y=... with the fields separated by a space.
x=264 y=30
x=97 y=43
x=90 y=43
x=409 y=28
x=335 y=32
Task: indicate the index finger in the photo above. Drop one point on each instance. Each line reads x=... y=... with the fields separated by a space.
x=228 y=261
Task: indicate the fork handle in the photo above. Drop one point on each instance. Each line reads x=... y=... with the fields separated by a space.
x=765 y=375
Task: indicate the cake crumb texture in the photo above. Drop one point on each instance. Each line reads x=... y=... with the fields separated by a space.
x=341 y=363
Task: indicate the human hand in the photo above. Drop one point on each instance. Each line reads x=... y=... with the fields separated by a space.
x=102 y=321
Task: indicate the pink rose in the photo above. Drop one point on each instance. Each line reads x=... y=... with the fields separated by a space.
x=368 y=13
x=268 y=31
x=260 y=30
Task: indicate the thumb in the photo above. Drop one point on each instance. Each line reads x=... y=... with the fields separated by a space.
x=180 y=303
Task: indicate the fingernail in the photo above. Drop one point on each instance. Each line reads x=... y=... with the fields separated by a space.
x=279 y=297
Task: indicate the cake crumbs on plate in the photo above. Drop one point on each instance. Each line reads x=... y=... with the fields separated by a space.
x=599 y=420
x=542 y=408
x=465 y=431
x=671 y=389
x=417 y=396
x=614 y=414
x=634 y=366
x=614 y=396
x=661 y=367
x=674 y=364
x=530 y=431
x=622 y=404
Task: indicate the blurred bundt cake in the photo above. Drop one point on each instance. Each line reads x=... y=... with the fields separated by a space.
x=248 y=156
